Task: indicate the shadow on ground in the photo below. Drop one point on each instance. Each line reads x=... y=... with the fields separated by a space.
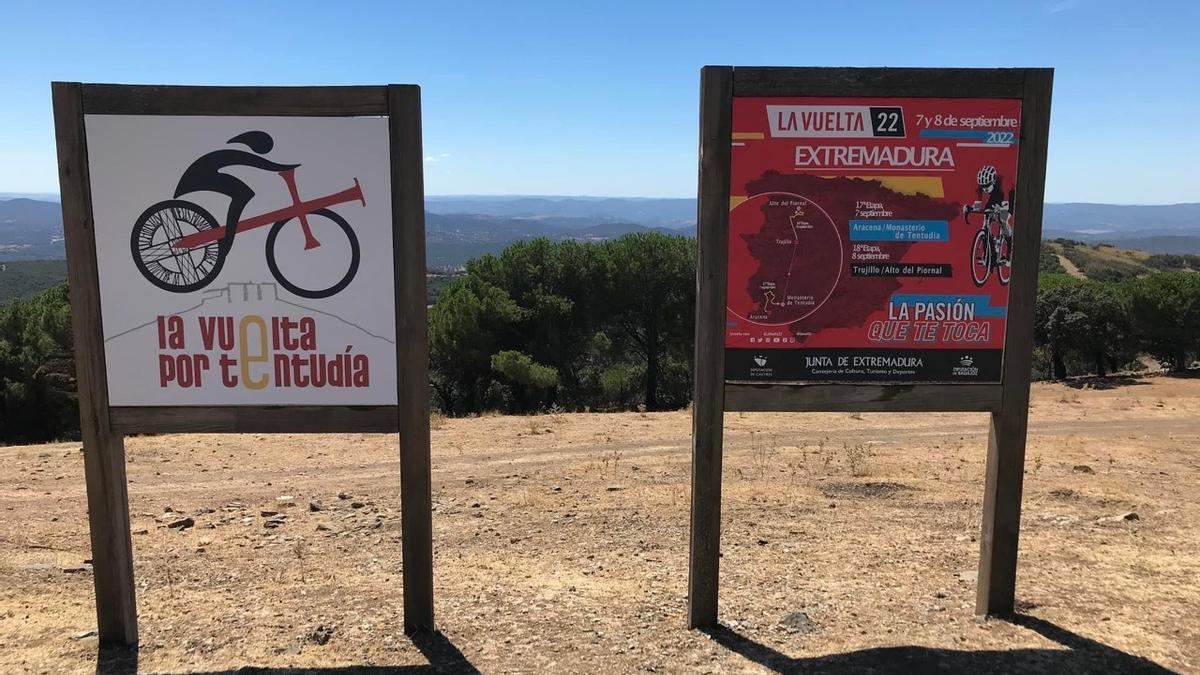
x=441 y=653
x=1080 y=656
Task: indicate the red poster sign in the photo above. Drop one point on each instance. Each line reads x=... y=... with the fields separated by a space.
x=870 y=239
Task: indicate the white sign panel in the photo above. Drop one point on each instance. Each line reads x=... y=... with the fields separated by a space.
x=244 y=260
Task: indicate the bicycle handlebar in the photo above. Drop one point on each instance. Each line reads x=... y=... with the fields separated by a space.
x=969 y=209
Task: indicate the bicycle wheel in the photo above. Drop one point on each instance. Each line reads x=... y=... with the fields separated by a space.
x=314 y=265
x=981 y=258
x=1004 y=264
x=152 y=244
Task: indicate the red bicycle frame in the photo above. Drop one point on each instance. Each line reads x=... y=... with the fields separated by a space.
x=298 y=209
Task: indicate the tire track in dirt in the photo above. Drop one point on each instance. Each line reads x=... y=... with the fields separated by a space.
x=324 y=479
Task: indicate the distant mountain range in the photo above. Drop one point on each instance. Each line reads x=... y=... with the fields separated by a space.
x=1168 y=228
x=462 y=227
x=574 y=211
x=452 y=239
x=30 y=230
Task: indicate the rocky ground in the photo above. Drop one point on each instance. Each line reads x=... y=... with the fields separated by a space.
x=849 y=543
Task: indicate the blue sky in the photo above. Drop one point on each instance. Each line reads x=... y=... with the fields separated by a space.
x=570 y=98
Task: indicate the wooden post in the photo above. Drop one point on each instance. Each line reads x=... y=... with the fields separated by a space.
x=995 y=590
x=408 y=232
x=708 y=402
x=103 y=449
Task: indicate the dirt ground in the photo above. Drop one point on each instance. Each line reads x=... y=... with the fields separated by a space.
x=849 y=543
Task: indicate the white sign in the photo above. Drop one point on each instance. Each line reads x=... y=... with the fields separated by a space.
x=244 y=260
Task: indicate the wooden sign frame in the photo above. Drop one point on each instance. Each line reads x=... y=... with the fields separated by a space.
x=1007 y=402
x=103 y=426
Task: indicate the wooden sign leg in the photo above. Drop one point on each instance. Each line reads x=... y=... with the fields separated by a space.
x=112 y=548
x=708 y=400
x=412 y=361
x=103 y=450
x=996 y=587
x=704 y=563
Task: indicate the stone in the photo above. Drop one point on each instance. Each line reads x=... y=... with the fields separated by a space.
x=613 y=488
x=314 y=505
x=357 y=504
x=285 y=500
x=1128 y=516
x=1082 y=468
x=83 y=635
x=37 y=567
x=969 y=576
x=343 y=495
x=268 y=513
x=321 y=634
x=181 y=523
x=799 y=622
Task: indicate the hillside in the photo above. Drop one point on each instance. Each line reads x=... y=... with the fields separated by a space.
x=30 y=230
x=23 y=278
x=452 y=239
x=1105 y=262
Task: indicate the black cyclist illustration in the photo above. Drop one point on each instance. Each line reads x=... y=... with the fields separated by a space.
x=179 y=247
x=992 y=246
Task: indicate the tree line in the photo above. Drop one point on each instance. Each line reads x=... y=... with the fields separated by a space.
x=609 y=326
x=37 y=370
x=1085 y=326
x=579 y=326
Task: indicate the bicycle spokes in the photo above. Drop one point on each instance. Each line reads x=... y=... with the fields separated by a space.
x=157 y=252
x=179 y=247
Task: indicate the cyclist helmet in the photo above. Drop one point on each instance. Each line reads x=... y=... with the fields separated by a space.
x=986 y=175
x=258 y=141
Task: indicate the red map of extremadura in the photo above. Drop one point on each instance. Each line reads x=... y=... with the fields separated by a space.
x=792 y=233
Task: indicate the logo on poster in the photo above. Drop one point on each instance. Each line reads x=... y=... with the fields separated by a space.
x=966 y=367
x=179 y=247
x=835 y=121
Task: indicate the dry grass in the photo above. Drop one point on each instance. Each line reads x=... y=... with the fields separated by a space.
x=566 y=549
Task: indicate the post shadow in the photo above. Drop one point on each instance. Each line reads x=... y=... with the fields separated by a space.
x=1082 y=655
x=117 y=660
x=442 y=654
